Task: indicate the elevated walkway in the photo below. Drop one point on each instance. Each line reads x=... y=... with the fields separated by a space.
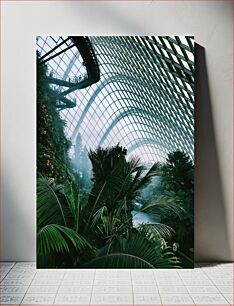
x=90 y=62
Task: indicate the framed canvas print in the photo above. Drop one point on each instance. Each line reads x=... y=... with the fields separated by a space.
x=115 y=152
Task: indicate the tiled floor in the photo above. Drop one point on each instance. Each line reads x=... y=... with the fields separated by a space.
x=207 y=284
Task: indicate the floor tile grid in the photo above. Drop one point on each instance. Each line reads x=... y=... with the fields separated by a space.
x=4 y=276
x=14 y=267
x=226 y=274
x=1 y=265
x=158 y=288
x=165 y=297
x=59 y=288
x=186 y=276
x=143 y=293
x=215 y=285
x=115 y=285
x=222 y=271
x=201 y=294
x=186 y=285
x=68 y=297
x=29 y=286
x=132 y=285
x=92 y=286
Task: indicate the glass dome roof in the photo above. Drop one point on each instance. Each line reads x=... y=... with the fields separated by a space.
x=144 y=99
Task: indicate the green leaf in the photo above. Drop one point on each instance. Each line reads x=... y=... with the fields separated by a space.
x=58 y=238
x=163 y=204
x=50 y=208
x=157 y=230
x=134 y=252
x=98 y=215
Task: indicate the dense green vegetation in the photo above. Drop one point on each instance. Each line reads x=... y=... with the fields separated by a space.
x=52 y=145
x=77 y=227
x=96 y=231
x=177 y=180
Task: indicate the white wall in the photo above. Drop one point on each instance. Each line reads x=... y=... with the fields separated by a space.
x=210 y=22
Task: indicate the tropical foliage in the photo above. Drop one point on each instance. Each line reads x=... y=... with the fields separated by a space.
x=67 y=238
x=117 y=183
x=52 y=144
x=177 y=180
x=59 y=243
x=90 y=225
x=135 y=251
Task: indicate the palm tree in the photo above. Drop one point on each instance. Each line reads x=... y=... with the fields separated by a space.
x=60 y=244
x=116 y=180
x=161 y=205
x=98 y=232
x=58 y=221
x=177 y=180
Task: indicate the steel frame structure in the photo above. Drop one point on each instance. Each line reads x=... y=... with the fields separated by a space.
x=144 y=99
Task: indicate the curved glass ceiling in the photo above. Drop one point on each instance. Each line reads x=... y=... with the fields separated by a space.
x=144 y=99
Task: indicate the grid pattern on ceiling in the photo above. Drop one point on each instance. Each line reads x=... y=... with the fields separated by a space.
x=144 y=99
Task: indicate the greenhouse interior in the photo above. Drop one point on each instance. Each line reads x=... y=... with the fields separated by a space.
x=115 y=152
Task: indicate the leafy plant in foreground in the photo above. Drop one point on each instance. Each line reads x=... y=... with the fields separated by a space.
x=58 y=219
x=62 y=242
x=135 y=251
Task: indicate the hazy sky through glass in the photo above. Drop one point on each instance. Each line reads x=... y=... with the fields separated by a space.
x=144 y=99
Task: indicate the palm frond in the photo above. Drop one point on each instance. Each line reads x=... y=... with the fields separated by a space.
x=98 y=215
x=74 y=202
x=49 y=204
x=94 y=206
x=163 y=204
x=157 y=230
x=119 y=261
x=133 y=172
x=135 y=165
x=135 y=252
x=57 y=238
x=141 y=182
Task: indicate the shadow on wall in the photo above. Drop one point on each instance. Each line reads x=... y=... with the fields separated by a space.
x=211 y=232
